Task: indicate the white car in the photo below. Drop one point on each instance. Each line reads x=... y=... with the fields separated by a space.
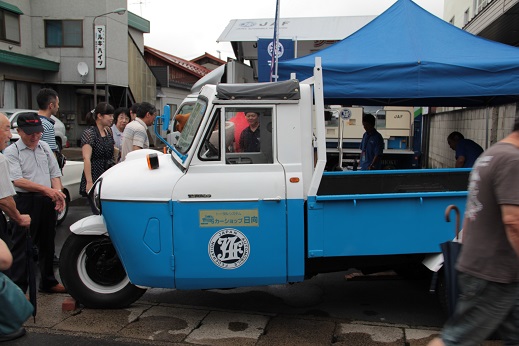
x=70 y=180
x=59 y=127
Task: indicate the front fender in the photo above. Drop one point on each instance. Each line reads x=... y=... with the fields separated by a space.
x=90 y=225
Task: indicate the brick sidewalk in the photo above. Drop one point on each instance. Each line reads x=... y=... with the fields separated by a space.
x=167 y=324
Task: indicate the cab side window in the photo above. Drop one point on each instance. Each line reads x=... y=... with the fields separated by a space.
x=248 y=138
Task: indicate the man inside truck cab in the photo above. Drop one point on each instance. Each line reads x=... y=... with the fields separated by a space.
x=250 y=136
x=371 y=146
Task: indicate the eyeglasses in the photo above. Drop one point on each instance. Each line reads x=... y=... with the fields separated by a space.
x=35 y=134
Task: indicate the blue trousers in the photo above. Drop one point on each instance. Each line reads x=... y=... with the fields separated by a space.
x=482 y=308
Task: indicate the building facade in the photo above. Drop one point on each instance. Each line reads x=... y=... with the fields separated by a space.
x=51 y=44
x=175 y=76
x=492 y=19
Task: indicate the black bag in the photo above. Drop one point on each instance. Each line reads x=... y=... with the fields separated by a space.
x=62 y=160
x=5 y=230
x=109 y=164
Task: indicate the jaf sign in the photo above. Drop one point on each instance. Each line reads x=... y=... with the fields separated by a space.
x=229 y=248
x=100 y=46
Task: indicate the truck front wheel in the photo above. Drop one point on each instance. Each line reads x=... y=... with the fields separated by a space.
x=93 y=274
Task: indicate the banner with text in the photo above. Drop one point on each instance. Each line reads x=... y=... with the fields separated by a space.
x=100 y=41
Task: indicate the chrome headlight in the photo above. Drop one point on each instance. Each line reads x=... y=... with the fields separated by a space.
x=95 y=195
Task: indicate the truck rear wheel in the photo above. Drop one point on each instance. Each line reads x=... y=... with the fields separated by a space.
x=93 y=274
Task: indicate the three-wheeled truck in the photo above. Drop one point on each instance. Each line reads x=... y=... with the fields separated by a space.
x=208 y=215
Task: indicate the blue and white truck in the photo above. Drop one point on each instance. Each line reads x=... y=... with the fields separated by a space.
x=208 y=215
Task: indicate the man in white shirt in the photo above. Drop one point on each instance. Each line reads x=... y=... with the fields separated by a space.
x=135 y=135
x=7 y=203
x=35 y=174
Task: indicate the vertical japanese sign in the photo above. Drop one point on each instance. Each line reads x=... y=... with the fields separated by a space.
x=100 y=46
x=284 y=51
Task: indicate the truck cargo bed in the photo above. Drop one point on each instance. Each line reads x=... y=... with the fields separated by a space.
x=380 y=213
x=397 y=181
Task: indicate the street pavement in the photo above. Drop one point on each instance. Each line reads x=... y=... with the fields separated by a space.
x=160 y=324
x=169 y=317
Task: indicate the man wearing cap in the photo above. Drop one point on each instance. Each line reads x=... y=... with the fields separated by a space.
x=7 y=203
x=36 y=178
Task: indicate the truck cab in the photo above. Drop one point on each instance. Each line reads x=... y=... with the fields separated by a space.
x=226 y=207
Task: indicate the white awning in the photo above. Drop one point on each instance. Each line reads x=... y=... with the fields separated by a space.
x=298 y=29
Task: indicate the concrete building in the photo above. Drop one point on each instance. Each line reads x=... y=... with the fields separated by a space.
x=51 y=44
x=492 y=19
x=175 y=76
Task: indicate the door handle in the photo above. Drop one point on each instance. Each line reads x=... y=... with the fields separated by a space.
x=272 y=199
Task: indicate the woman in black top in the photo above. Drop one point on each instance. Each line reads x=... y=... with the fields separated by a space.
x=97 y=146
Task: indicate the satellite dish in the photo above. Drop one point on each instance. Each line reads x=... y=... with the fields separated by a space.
x=82 y=69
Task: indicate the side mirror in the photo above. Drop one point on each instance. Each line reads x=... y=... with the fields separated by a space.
x=165 y=118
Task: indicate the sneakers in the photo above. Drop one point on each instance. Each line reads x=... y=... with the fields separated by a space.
x=14 y=335
x=59 y=288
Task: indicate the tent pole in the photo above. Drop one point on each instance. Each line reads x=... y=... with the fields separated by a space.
x=487 y=119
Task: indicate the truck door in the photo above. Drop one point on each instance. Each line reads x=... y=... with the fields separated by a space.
x=229 y=214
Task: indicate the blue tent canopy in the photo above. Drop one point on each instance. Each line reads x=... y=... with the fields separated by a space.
x=407 y=56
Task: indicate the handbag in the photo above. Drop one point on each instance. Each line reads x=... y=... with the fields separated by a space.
x=112 y=161
x=16 y=309
x=62 y=159
x=109 y=164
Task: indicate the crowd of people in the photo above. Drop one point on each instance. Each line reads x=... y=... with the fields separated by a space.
x=31 y=192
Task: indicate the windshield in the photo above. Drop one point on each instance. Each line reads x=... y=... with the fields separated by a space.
x=189 y=131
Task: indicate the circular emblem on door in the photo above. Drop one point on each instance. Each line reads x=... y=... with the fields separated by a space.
x=229 y=248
